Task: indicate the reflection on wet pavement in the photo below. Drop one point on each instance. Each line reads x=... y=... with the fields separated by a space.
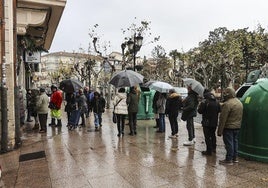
x=85 y=158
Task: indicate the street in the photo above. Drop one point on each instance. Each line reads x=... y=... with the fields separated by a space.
x=85 y=158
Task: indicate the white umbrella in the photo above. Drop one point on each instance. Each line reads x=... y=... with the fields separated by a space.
x=195 y=85
x=126 y=78
x=162 y=87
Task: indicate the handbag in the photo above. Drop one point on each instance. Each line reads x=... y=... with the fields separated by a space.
x=114 y=118
x=114 y=115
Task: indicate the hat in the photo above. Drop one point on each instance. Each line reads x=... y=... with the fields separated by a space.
x=42 y=90
x=53 y=86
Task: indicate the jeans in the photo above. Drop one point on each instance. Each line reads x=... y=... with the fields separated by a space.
x=230 y=139
x=190 y=128
x=97 y=119
x=162 y=123
x=173 y=123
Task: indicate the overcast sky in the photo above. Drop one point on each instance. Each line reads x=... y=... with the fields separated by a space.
x=181 y=24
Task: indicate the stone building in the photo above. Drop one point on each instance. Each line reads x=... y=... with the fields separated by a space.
x=21 y=22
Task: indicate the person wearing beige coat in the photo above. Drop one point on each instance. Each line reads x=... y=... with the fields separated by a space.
x=42 y=110
x=120 y=109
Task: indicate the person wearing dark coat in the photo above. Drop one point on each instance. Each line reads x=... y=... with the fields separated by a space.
x=154 y=106
x=132 y=102
x=189 y=111
x=210 y=109
x=82 y=106
x=70 y=105
x=173 y=105
x=98 y=107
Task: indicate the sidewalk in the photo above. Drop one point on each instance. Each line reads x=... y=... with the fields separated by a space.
x=85 y=158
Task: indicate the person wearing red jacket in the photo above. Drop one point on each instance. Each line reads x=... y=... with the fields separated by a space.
x=55 y=106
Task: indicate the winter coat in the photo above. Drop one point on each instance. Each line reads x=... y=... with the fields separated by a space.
x=132 y=101
x=190 y=104
x=42 y=103
x=231 y=115
x=121 y=107
x=161 y=105
x=210 y=109
x=56 y=98
x=82 y=103
x=98 y=105
x=155 y=98
x=71 y=102
x=173 y=104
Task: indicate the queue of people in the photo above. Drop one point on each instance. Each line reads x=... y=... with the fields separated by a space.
x=225 y=118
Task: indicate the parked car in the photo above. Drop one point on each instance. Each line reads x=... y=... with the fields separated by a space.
x=183 y=91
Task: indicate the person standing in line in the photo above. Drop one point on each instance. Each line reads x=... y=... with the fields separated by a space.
x=173 y=105
x=154 y=106
x=120 y=109
x=42 y=110
x=230 y=124
x=132 y=102
x=34 y=97
x=161 y=106
x=55 y=106
x=71 y=104
x=189 y=111
x=82 y=106
x=210 y=109
x=29 y=106
x=98 y=107
x=22 y=107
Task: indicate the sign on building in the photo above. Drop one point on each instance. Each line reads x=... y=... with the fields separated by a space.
x=32 y=57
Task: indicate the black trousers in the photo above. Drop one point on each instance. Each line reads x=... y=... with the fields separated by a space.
x=132 y=116
x=43 y=121
x=210 y=138
x=173 y=123
x=120 y=123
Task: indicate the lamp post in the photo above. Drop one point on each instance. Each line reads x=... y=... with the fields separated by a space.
x=123 y=46
x=134 y=46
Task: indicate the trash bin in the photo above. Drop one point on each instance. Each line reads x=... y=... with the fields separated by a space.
x=253 y=142
x=145 y=104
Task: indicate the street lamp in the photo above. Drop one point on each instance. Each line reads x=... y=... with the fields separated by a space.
x=134 y=46
x=123 y=46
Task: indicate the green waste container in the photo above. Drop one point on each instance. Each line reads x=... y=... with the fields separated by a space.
x=253 y=142
x=145 y=104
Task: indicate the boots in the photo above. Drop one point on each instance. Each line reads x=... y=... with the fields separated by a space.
x=58 y=123
x=52 y=122
x=36 y=127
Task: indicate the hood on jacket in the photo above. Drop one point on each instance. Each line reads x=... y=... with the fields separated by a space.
x=228 y=93
x=173 y=95
x=209 y=95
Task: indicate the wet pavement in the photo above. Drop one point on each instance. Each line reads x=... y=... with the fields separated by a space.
x=85 y=158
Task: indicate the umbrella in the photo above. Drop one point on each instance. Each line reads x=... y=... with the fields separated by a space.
x=195 y=85
x=162 y=87
x=70 y=85
x=147 y=84
x=126 y=78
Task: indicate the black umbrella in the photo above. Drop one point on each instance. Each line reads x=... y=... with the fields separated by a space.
x=70 y=85
x=126 y=78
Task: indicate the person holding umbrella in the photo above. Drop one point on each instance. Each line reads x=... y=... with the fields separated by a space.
x=189 y=111
x=120 y=109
